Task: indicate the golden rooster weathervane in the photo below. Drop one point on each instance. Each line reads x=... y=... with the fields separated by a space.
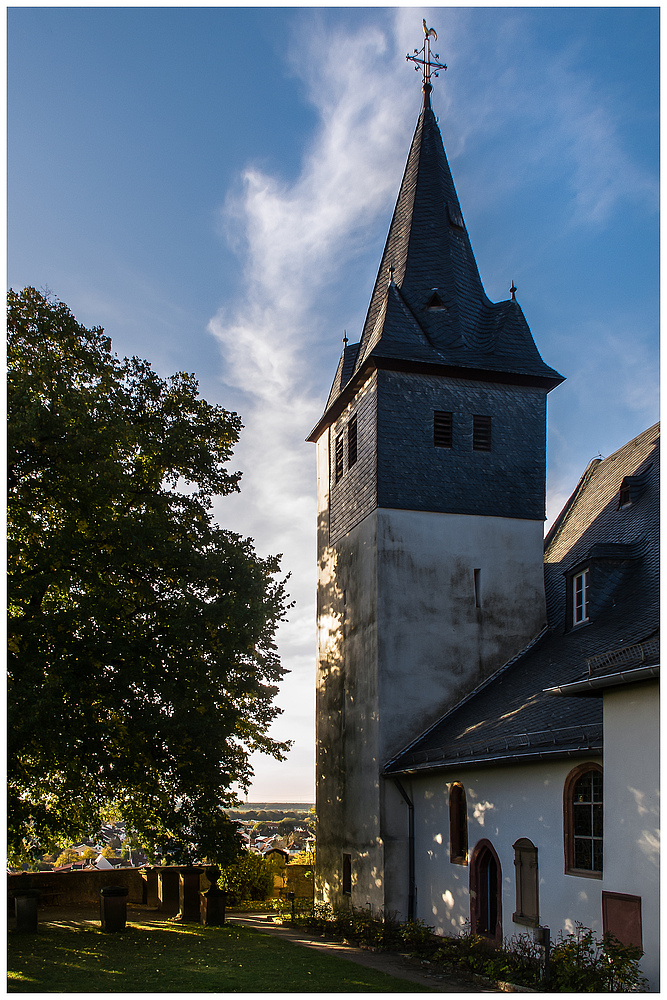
x=422 y=58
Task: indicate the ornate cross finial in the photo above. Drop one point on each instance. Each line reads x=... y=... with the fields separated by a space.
x=345 y=340
x=422 y=57
x=513 y=291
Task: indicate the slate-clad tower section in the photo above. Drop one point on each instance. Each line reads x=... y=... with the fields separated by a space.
x=431 y=487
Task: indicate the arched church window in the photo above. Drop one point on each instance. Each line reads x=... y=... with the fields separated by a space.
x=458 y=825
x=583 y=821
x=486 y=892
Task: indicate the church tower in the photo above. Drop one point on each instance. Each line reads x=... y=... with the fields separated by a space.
x=431 y=459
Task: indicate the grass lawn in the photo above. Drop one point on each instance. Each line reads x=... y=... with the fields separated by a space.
x=189 y=958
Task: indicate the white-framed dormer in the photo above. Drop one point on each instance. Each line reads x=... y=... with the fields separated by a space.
x=580 y=584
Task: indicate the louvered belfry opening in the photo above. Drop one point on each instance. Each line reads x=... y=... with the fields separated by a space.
x=339 y=457
x=481 y=433
x=442 y=429
x=352 y=442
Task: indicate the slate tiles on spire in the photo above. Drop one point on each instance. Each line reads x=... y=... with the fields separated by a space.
x=428 y=304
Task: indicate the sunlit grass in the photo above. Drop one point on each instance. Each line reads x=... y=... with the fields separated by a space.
x=189 y=958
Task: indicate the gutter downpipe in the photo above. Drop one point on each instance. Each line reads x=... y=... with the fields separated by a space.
x=411 y=848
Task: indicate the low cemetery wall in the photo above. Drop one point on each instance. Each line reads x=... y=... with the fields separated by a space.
x=80 y=888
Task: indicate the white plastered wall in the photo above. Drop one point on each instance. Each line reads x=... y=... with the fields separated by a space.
x=504 y=804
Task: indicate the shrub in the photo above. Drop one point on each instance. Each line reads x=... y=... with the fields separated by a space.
x=579 y=963
x=582 y=964
x=250 y=878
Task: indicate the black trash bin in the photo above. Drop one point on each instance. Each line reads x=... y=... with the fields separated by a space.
x=113 y=908
x=26 y=910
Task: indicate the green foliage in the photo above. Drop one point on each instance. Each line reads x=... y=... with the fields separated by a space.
x=67 y=857
x=580 y=963
x=142 y=662
x=250 y=878
x=306 y=857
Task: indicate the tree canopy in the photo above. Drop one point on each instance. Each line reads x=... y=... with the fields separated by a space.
x=142 y=661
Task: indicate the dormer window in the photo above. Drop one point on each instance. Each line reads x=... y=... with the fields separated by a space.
x=455 y=217
x=632 y=487
x=435 y=303
x=580 y=586
x=624 y=496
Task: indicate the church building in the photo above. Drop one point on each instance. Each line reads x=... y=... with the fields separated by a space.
x=436 y=635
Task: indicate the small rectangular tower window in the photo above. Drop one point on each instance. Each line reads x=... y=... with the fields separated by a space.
x=352 y=442
x=481 y=433
x=442 y=429
x=339 y=457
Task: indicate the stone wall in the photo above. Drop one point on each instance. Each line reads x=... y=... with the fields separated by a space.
x=80 y=888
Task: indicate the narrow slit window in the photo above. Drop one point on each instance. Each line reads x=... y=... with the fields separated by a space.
x=442 y=429
x=477 y=573
x=458 y=825
x=347 y=874
x=352 y=442
x=339 y=457
x=481 y=433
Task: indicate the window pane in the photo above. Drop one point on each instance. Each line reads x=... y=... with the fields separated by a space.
x=597 y=786
x=597 y=821
x=582 y=854
x=597 y=855
x=582 y=789
x=583 y=826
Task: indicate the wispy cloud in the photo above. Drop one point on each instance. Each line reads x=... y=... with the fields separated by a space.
x=295 y=237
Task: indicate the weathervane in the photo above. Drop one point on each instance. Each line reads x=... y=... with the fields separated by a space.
x=422 y=57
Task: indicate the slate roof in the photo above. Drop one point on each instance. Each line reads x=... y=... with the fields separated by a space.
x=511 y=717
x=428 y=253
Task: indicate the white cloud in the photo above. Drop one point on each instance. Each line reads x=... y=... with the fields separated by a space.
x=291 y=233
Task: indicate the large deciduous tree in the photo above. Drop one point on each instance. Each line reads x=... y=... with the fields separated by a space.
x=142 y=662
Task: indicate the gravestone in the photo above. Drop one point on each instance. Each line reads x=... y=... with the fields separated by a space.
x=213 y=900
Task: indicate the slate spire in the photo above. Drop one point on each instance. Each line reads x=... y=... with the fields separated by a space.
x=428 y=306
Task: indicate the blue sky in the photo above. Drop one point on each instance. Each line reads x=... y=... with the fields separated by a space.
x=214 y=185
